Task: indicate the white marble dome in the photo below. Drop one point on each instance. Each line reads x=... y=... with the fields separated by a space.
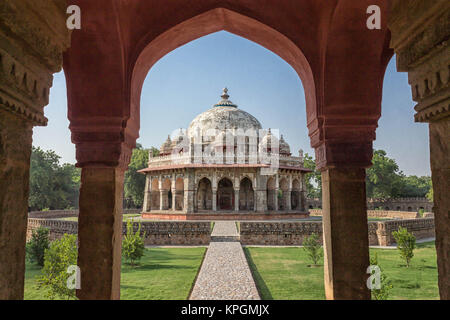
x=224 y=115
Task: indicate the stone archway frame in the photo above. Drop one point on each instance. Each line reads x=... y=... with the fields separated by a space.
x=215 y=20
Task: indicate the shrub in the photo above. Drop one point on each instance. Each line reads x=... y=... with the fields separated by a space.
x=133 y=244
x=421 y=212
x=61 y=254
x=406 y=243
x=313 y=248
x=35 y=248
x=385 y=283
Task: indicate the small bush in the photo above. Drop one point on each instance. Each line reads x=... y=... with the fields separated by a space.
x=61 y=254
x=385 y=283
x=421 y=212
x=313 y=248
x=406 y=243
x=133 y=244
x=35 y=248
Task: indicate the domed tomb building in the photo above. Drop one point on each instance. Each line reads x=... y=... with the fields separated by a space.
x=225 y=166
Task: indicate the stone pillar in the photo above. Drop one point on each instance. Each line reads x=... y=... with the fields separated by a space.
x=288 y=200
x=26 y=69
x=275 y=199
x=427 y=64
x=189 y=192
x=236 y=199
x=302 y=200
x=147 y=195
x=174 y=196
x=440 y=173
x=100 y=233
x=15 y=151
x=214 y=199
x=345 y=233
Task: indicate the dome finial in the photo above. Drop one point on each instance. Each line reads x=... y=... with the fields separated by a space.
x=225 y=94
x=225 y=102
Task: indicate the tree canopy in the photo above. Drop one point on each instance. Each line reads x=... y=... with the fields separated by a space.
x=134 y=181
x=384 y=180
x=52 y=185
x=313 y=179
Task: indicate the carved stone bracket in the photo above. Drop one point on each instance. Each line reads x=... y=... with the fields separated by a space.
x=420 y=39
x=33 y=37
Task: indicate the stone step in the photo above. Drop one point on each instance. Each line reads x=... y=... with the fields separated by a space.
x=225 y=238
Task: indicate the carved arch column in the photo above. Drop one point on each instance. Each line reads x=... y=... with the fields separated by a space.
x=33 y=36
x=420 y=33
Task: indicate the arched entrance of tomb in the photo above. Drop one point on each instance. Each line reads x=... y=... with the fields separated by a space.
x=246 y=195
x=204 y=194
x=284 y=187
x=155 y=202
x=166 y=195
x=225 y=194
x=295 y=195
x=179 y=194
x=271 y=194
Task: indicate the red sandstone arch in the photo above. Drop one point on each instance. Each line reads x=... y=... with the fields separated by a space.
x=125 y=38
x=213 y=21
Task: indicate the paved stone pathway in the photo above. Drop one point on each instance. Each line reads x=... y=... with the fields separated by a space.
x=225 y=274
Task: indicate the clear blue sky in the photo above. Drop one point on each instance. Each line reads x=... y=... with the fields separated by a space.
x=189 y=80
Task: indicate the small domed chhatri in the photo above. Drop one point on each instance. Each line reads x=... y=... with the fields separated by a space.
x=225 y=166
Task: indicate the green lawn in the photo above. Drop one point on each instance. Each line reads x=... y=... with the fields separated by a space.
x=163 y=274
x=283 y=273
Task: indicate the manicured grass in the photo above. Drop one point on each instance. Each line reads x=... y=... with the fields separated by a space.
x=163 y=274
x=283 y=273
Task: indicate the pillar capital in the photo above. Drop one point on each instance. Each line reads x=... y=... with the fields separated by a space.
x=33 y=38
x=420 y=39
x=102 y=142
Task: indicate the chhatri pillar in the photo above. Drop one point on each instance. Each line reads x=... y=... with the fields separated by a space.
x=420 y=33
x=26 y=75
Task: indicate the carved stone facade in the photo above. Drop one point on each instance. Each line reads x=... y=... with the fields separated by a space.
x=263 y=178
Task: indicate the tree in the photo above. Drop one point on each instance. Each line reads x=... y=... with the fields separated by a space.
x=313 y=179
x=61 y=254
x=133 y=244
x=134 y=181
x=430 y=195
x=52 y=185
x=383 y=179
x=385 y=284
x=313 y=248
x=414 y=186
x=37 y=245
x=406 y=243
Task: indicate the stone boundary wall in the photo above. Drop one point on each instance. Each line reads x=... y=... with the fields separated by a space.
x=420 y=228
x=413 y=204
x=156 y=233
x=278 y=233
x=57 y=214
x=379 y=214
x=293 y=233
x=53 y=214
